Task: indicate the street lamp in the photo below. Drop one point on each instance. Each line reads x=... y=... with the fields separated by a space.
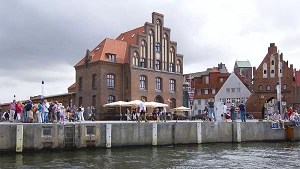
x=191 y=92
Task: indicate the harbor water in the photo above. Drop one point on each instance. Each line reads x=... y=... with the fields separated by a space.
x=218 y=155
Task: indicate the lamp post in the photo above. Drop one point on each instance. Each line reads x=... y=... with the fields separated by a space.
x=191 y=92
x=279 y=83
x=42 y=92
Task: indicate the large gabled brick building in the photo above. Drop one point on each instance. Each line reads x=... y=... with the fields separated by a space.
x=140 y=63
x=265 y=79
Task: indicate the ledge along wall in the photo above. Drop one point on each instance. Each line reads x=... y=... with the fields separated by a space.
x=19 y=137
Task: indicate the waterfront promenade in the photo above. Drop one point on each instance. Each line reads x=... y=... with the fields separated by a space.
x=107 y=134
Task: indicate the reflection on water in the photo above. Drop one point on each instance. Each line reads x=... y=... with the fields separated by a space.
x=244 y=155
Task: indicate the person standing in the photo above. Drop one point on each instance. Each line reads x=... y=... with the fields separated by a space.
x=211 y=105
x=243 y=112
x=19 y=108
x=81 y=111
x=39 y=113
x=29 y=112
x=143 y=109
x=45 y=111
x=12 y=110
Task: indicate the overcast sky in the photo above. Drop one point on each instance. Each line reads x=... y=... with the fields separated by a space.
x=43 y=40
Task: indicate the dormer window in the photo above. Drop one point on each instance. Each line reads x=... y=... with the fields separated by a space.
x=112 y=57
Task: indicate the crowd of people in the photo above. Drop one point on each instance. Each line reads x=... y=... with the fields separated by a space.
x=277 y=119
x=46 y=112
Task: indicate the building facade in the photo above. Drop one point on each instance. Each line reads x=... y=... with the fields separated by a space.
x=206 y=85
x=140 y=63
x=266 y=78
x=234 y=90
x=244 y=69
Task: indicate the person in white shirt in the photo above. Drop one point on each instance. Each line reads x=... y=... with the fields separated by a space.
x=277 y=119
x=143 y=109
x=80 y=115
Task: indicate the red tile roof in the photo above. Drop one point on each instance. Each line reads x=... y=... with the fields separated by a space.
x=72 y=86
x=107 y=46
x=131 y=38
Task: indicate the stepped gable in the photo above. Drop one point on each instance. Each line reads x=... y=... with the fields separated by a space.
x=265 y=79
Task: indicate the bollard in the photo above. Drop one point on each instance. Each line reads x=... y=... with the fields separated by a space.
x=108 y=135
x=154 y=134
x=199 y=133
x=238 y=133
x=19 y=139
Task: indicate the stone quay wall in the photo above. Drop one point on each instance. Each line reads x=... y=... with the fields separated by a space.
x=23 y=137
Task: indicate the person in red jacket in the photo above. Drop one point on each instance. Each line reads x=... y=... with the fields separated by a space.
x=19 y=110
x=290 y=112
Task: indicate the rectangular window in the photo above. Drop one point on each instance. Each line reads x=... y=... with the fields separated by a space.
x=112 y=57
x=205 y=91
x=221 y=80
x=199 y=102
x=206 y=79
x=228 y=90
x=94 y=82
x=142 y=82
x=232 y=90
x=126 y=82
x=238 y=90
x=110 y=81
x=80 y=101
x=80 y=84
x=172 y=85
x=233 y=100
x=268 y=87
x=94 y=100
x=224 y=100
x=171 y=67
x=198 y=91
x=213 y=91
x=243 y=100
x=157 y=83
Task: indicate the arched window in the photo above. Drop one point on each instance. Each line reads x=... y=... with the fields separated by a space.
x=135 y=59
x=111 y=99
x=172 y=84
x=171 y=59
x=150 y=52
x=178 y=66
x=159 y=99
x=268 y=87
x=94 y=83
x=260 y=88
x=158 y=83
x=143 y=53
x=110 y=81
x=158 y=30
x=171 y=69
x=172 y=103
x=143 y=82
x=165 y=52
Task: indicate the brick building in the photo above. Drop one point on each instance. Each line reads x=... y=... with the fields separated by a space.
x=296 y=104
x=140 y=63
x=206 y=85
x=244 y=69
x=265 y=82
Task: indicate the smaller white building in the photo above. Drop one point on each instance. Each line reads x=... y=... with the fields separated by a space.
x=232 y=91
